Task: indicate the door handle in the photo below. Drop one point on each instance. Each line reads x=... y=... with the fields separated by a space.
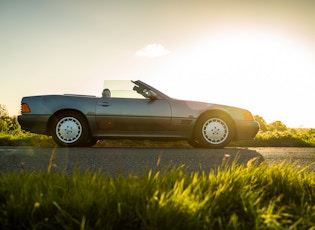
x=104 y=103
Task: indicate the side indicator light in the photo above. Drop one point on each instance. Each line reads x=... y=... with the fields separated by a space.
x=25 y=108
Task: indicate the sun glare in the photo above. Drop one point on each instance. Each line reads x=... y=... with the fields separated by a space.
x=264 y=72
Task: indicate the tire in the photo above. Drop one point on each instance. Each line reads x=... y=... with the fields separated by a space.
x=70 y=130
x=90 y=142
x=194 y=143
x=214 y=130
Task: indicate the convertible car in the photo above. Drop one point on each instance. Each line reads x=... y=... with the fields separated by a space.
x=134 y=109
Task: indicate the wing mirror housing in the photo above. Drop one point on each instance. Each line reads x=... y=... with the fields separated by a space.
x=152 y=95
x=146 y=93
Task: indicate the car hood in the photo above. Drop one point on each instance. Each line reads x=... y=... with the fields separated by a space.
x=198 y=105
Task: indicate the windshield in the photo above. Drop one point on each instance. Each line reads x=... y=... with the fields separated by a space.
x=120 y=89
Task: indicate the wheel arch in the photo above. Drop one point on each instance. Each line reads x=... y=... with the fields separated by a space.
x=219 y=112
x=61 y=111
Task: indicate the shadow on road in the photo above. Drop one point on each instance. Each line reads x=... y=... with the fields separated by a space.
x=115 y=161
x=206 y=160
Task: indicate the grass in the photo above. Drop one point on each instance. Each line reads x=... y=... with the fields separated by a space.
x=231 y=197
x=19 y=138
x=289 y=138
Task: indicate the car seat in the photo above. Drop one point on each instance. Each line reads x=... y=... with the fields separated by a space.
x=106 y=93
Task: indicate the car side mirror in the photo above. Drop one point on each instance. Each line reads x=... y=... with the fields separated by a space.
x=152 y=95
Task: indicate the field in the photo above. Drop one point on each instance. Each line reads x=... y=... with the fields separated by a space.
x=231 y=197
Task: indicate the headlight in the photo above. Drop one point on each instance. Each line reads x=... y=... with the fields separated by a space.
x=248 y=116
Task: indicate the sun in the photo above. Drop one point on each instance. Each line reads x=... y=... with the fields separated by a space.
x=264 y=71
x=268 y=73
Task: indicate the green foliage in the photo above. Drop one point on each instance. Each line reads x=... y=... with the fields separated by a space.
x=3 y=125
x=262 y=123
x=20 y=138
x=232 y=197
x=277 y=126
x=274 y=126
x=288 y=138
x=277 y=134
x=3 y=111
x=3 y=117
x=7 y=123
x=12 y=135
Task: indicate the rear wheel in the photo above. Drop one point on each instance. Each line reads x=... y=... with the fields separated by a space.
x=70 y=129
x=213 y=130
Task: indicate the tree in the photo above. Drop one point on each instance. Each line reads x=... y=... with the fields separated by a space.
x=3 y=115
x=262 y=123
x=277 y=126
x=3 y=111
x=7 y=123
x=3 y=125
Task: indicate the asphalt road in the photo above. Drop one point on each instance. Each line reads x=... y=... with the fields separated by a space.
x=115 y=161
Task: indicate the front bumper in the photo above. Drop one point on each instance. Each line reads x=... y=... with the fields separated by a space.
x=34 y=123
x=246 y=130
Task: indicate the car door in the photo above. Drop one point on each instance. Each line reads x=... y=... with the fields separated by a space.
x=132 y=115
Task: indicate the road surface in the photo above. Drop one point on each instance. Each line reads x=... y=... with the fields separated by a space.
x=115 y=161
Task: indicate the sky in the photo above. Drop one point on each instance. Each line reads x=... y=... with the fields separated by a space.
x=254 y=54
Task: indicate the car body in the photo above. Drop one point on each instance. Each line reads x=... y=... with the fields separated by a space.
x=140 y=111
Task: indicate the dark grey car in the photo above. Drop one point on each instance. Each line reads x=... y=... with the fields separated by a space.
x=140 y=111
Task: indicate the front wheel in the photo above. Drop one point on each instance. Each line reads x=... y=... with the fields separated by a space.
x=214 y=130
x=70 y=130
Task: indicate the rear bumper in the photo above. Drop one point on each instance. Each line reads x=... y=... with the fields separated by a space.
x=34 y=123
x=246 y=130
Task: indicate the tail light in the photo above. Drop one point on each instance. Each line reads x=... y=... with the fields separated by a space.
x=25 y=108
